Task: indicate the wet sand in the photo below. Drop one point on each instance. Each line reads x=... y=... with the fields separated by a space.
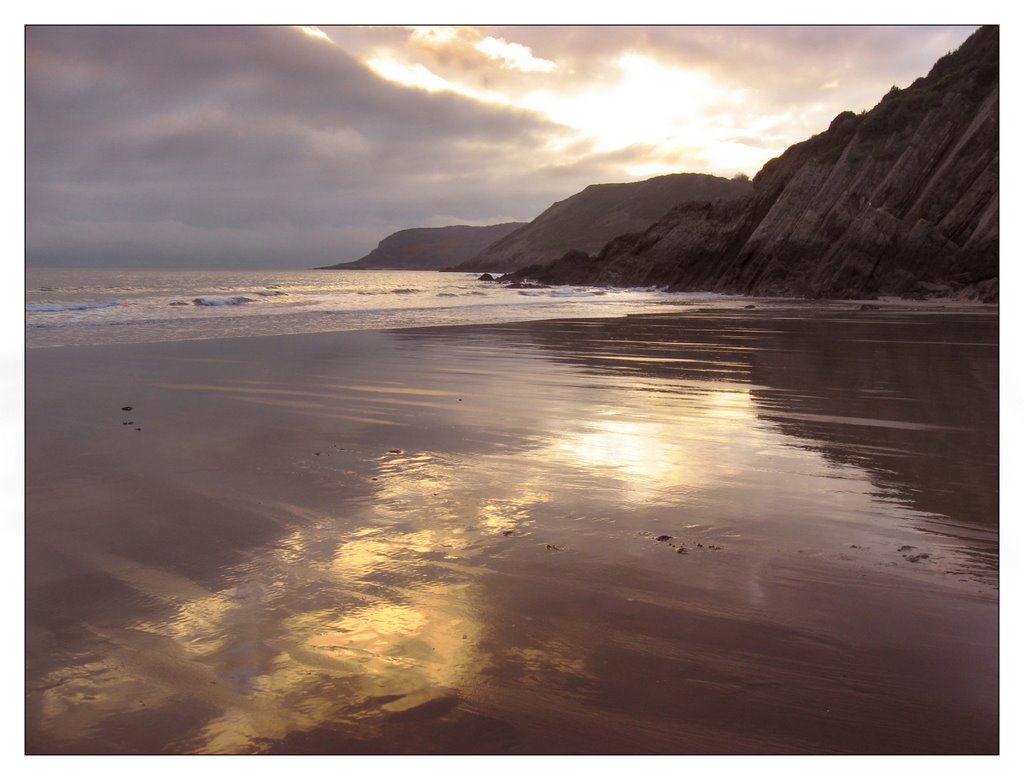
x=748 y=531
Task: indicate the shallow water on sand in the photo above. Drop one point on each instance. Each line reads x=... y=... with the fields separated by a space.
x=69 y=307
x=724 y=532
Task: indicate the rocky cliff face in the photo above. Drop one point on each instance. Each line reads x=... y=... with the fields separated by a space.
x=429 y=249
x=902 y=199
x=590 y=218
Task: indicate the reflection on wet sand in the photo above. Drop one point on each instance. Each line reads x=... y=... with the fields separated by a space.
x=891 y=393
x=264 y=653
x=711 y=533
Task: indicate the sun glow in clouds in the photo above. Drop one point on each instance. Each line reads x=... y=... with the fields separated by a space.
x=418 y=76
x=513 y=55
x=652 y=104
x=434 y=35
x=681 y=118
x=315 y=32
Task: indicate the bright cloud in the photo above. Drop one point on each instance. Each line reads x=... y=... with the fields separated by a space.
x=434 y=35
x=417 y=76
x=514 y=55
x=667 y=110
x=316 y=32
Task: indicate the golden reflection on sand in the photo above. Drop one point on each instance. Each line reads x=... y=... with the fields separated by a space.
x=636 y=452
x=352 y=617
x=349 y=618
x=332 y=625
x=269 y=672
x=664 y=449
x=404 y=640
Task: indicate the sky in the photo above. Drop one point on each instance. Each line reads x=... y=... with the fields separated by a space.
x=115 y=174
x=298 y=146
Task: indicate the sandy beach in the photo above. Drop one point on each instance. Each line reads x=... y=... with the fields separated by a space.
x=763 y=530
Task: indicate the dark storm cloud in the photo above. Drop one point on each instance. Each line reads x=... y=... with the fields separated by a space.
x=235 y=143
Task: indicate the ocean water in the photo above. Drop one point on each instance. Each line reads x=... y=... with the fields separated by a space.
x=103 y=306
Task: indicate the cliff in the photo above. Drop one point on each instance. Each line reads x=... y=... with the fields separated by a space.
x=902 y=199
x=428 y=249
x=588 y=219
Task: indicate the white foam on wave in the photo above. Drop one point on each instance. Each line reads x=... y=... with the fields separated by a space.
x=557 y=293
x=233 y=300
x=562 y=293
x=397 y=291
x=45 y=307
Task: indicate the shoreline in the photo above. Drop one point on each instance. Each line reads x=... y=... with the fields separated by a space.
x=739 y=303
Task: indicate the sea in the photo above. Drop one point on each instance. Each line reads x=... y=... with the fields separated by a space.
x=66 y=307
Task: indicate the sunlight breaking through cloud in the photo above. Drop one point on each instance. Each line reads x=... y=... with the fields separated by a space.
x=316 y=32
x=513 y=55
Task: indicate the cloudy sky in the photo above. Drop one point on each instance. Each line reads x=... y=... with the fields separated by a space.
x=291 y=147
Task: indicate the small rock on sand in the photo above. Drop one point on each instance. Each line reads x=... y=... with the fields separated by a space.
x=662 y=538
x=126 y=408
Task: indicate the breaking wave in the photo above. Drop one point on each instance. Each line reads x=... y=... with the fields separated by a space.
x=42 y=307
x=562 y=293
x=232 y=300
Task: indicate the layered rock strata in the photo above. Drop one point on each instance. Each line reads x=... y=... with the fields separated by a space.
x=902 y=199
